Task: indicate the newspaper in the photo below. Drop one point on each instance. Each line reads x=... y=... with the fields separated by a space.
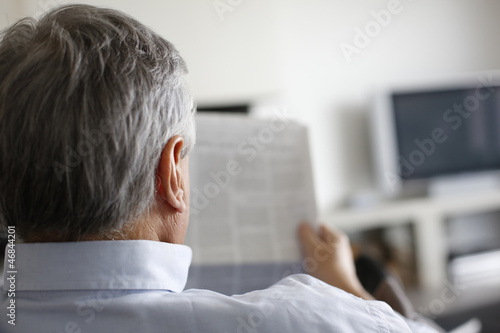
x=251 y=185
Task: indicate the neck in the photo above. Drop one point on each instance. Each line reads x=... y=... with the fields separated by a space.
x=156 y=227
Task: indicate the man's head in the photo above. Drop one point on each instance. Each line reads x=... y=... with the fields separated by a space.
x=95 y=126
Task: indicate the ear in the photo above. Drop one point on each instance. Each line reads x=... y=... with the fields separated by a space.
x=170 y=180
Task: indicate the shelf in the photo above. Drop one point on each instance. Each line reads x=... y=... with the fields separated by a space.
x=428 y=217
x=391 y=212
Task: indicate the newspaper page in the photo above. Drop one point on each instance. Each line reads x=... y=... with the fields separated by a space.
x=251 y=185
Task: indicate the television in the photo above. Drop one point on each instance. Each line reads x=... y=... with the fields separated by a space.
x=428 y=131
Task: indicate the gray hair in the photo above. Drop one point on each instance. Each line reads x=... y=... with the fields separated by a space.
x=89 y=97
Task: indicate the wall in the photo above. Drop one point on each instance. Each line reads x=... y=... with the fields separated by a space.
x=425 y=39
x=230 y=59
x=10 y=11
x=287 y=53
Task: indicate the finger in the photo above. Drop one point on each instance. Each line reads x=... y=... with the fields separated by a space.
x=330 y=235
x=356 y=251
x=308 y=237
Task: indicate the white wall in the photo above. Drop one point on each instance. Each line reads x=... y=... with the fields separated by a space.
x=10 y=11
x=288 y=51
x=233 y=59
x=426 y=38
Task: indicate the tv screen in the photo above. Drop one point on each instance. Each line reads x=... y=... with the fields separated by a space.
x=447 y=131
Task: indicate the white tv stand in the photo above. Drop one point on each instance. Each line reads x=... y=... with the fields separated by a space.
x=428 y=216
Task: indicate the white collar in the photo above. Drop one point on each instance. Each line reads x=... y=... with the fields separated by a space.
x=100 y=265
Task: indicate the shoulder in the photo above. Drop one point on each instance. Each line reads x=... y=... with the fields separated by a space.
x=300 y=303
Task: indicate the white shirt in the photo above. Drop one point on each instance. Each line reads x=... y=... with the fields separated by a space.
x=137 y=286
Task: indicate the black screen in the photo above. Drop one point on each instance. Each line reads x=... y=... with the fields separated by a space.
x=447 y=131
x=240 y=108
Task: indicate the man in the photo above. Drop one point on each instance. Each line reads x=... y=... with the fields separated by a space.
x=96 y=125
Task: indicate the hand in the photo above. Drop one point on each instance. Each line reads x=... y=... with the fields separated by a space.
x=328 y=257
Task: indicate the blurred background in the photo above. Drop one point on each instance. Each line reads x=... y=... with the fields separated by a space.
x=288 y=54
x=324 y=62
